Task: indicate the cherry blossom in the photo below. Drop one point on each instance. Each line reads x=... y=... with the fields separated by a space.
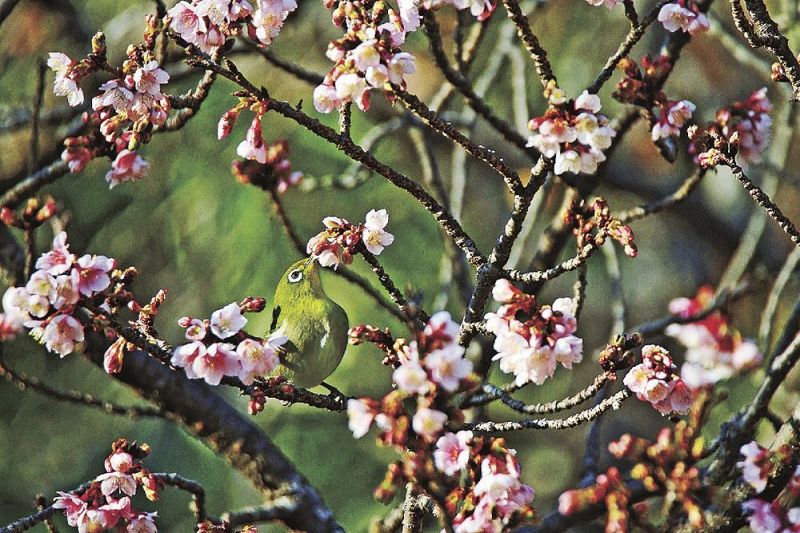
x=428 y=422
x=91 y=273
x=65 y=84
x=672 y=117
x=448 y=366
x=360 y=414
x=411 y=378
x=143 y=523
x=74 y=508
x=452 y=452
x=375 y=237
x=127 y=166
x=756 y=465
x=257 y=359
x=683 y=15
x=764 y=517
x=218 y=360
x=654 y=380
x=185 y=355
x=253 y=146
x=61 y=333
x=227 y=321
x=58 y=260
x=111 y=482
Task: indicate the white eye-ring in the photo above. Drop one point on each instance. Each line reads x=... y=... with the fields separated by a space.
x=295 y=275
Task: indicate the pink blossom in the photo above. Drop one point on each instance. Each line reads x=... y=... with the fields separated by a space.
x=257 y=359
x=503 y=291
x=526 y=358
x=366 y=55
x=326 y=99
x=128 y=166
x=119 y=461
x=227 y=321
x=409 y=15
x=568 y=350
x=764 y=518
x=142 y=523
x=64 y=85
x=677 y=16
x=58 y=260
x=91 y=273
x=185 y=355
x=353 y=88
x=75 y=510
x=755 y=466
x=149 y=78
x=219 y=360
x=195 y=330
x=76 y=158
x=401 y=64
x=360 y=414
x=61 y=334
x=111 y=482
x=448 y=366
x=374 y=236
x=452 y=452
x=115 y=95
x=41 y=284
x=226 y=123
x=109 y=514
x=441 y=327
x=186 y=21
x=411 y=378
x=253 y=146
x=655 y=381
x=428 y=422
x=268 y=20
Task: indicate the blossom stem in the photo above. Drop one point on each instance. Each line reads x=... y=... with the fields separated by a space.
x=192 y=487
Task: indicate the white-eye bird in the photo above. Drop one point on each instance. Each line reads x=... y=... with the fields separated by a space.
x=315 y=326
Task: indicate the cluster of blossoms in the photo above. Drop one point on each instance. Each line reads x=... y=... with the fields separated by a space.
x=641 y=86
x=742 y=127
x=106 y=503
x=477 y=477
x=47 y=303
x=531 y=340
x=125 y=112
x=368 y=56
x=342 y=240
x=714 y=349
x=768 y=516
x=572 y=131
x=274 y=174
x=666 y=466
x=654 y=380
x=219 y=347
x=264 y=165
x=592 y=223
x=207 y=23
x=684 y=15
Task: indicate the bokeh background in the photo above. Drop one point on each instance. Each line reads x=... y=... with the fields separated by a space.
x=190 y=228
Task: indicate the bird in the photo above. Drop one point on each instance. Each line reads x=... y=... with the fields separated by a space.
x=315 y=326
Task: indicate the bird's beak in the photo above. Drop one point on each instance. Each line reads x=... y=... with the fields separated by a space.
x=309 y=261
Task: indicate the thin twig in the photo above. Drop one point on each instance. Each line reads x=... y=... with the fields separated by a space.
x=23 y=382
x=680 y=194
x=768 y=316
x=577 y=419
x=192 y=487
x=36 y=115
x=531 y=42
x=412 y=313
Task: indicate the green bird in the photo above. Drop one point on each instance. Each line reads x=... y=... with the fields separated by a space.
x=315 y=325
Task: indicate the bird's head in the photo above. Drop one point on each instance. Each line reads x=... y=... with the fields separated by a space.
x=301 y=279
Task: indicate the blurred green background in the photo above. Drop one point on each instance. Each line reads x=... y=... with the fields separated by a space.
x=190 y=228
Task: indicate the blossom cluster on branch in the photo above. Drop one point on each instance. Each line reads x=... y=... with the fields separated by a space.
x=715 y=350
x=531 y=340
x=572 y=131
x=48 y=303
x=220 y=347
x=768 y=515
x=106 y=503
x=476 y=478
x=207 y=23
x=342 y=240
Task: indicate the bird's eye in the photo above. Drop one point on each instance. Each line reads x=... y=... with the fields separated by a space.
x=295 y=275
